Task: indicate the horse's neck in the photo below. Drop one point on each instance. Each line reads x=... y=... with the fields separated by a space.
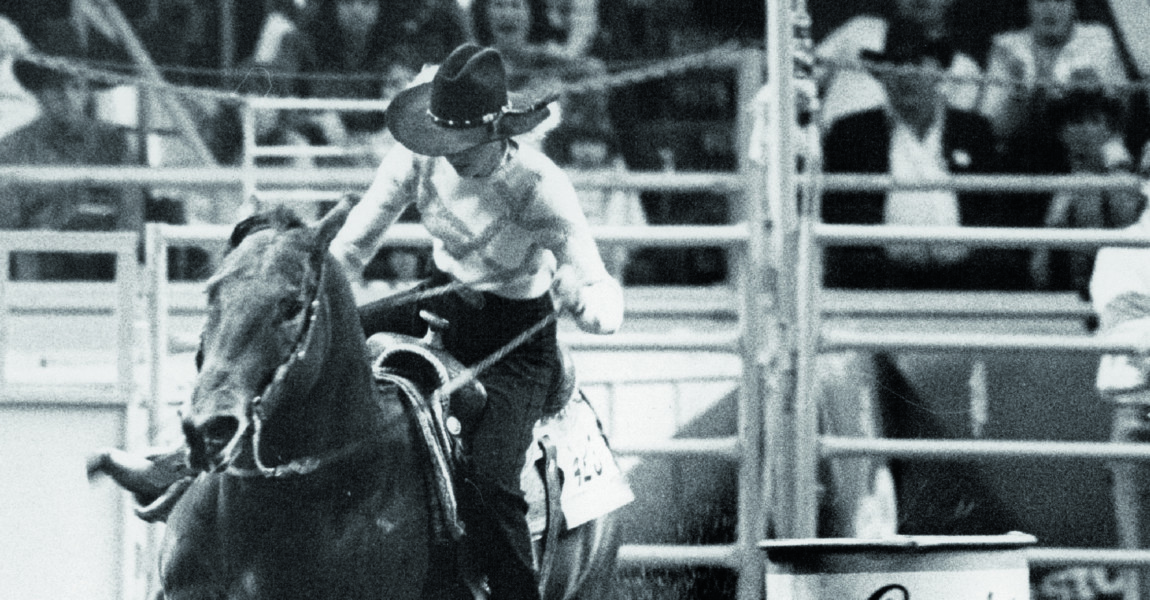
x=346 y=400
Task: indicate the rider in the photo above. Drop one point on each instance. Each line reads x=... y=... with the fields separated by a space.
x=510 y=238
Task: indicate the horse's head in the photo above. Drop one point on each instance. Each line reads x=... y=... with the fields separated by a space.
x=267 y=332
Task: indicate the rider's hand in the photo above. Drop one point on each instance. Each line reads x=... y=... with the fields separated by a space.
x=597 y=307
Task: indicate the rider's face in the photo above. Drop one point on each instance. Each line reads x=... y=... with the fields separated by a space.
x=477 y=161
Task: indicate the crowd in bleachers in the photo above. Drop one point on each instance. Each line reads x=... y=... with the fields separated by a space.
x=1043 y=92
x=1052 y=97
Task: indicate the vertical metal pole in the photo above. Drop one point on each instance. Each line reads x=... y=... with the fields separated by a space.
x=227 y=34
x=127 y=282
x=248 y=159
x=751 y=269
x=806 y=340
x=780 y=167
x=5 y=264
x=135 y=544
x=157 y=315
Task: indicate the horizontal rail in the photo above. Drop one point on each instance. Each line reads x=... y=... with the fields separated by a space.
x=727 y=556
x=410 y=233
x=833 y=446
x=654 y=342
x=299 y=196
x=85 y=242
x=721 y=301
x=1001 y=237
x=949 y=304
x=1050 y=557
x=659 y=181
x=342 y=104
x=660 y=555
x=725 y=447
x=672 y=235
x=722 y=182
x=919 y=341
x=342 y=177
x=220 y=177
x=864 y=182
x=596 y=379
x=304 y=151
x=85 y=394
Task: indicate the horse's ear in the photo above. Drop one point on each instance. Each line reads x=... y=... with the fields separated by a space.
x=330 y=224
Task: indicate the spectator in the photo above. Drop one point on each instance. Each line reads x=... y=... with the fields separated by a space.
x=1120 y=294
x=18 y=106
x=569 y=27
x=1053 y=52
x=848 y=88
x=1085 y=123
x=506 y=25
x=589 y=150
x=916 y=137
x=65 y=135
x=344 y=49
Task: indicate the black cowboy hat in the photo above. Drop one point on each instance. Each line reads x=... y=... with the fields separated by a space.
x=907 y=44
x=466 y=104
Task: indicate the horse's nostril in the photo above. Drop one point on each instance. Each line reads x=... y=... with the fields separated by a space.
x=219 y=428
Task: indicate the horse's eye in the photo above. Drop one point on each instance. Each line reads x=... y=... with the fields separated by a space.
x=290 y=308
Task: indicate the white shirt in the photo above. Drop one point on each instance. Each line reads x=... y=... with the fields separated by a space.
x=1091 y=48
x=1120 y=291
x=914 y=159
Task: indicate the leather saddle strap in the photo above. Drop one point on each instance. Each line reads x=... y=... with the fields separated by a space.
x=553 y=490
x=446 y=522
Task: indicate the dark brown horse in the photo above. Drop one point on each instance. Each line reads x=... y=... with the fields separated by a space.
x=314 y=478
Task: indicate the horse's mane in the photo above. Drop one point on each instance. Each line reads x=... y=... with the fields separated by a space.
x=279 y=218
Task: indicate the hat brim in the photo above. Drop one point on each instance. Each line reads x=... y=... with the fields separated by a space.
x=410 y=125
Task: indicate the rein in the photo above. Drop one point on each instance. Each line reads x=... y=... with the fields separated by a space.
x=296 y=467
x=311 y=464
x=470 y=373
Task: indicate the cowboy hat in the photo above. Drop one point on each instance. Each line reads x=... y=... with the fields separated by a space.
x=907 y=44
x=466 y=104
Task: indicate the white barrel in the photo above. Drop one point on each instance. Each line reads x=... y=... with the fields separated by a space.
x=899 y=568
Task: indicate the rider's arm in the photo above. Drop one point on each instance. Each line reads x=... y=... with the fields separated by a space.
x=392 y=190
x=582 y=282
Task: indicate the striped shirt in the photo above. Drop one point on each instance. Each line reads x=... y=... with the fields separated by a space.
x=505 y=233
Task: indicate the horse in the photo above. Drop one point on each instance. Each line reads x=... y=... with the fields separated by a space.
x=314 y=479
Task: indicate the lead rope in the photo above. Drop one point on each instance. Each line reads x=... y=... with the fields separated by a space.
x=469 y=374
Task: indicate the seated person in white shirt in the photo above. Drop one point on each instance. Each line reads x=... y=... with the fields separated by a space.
x=916 y=136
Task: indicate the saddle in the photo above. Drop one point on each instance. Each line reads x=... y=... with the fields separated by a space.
x=423 y=364
x=420 y=367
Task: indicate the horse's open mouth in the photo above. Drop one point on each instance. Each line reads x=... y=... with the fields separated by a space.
x=212 y=444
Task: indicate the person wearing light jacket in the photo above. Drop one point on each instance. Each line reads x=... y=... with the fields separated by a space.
x=509 y=236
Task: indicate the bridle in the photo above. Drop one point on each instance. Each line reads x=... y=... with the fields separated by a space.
x=257 y=416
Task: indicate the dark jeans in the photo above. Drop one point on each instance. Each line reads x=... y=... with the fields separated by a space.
x=491 y=500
